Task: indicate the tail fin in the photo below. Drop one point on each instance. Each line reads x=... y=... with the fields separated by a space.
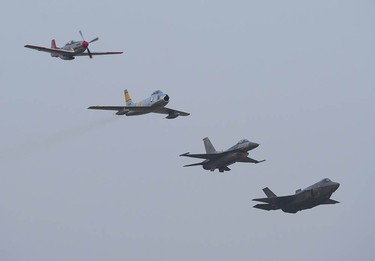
x=269 y=193
x=128 y=99
x=208 y=145
x=53 y=46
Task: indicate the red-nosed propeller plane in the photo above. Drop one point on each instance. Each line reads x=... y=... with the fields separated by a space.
x=71 y=49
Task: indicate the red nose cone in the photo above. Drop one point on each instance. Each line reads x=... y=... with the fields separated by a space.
x=85 y=44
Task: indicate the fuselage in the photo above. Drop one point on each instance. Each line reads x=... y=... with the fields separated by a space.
x=311 y=196
x=232 y=155
x=77 y=47
x=156 y=101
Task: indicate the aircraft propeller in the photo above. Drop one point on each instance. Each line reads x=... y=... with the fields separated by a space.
x=86 y=44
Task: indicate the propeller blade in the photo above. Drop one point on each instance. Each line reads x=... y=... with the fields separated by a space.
x=80 y=32
x=94 y=40
x=88 y=51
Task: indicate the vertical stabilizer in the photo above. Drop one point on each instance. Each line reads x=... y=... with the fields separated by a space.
x=269 y=193
x=54 y=46
x=128 y=99
x=208 y=145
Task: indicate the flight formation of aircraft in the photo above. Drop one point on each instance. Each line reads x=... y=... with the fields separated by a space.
x=317 y=194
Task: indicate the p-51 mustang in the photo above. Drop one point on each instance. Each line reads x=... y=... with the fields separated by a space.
x=317 y=194
x=221 y=160
x=71 y=49
x=155 y=103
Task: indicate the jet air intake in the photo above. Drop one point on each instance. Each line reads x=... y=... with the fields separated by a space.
x=166 y=98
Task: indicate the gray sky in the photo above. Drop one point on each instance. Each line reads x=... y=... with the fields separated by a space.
x=295 y=76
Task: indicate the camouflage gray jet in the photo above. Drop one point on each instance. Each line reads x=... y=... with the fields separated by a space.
x=71 y=49
x=221 y=160
x=317 y=194
x=155 y=103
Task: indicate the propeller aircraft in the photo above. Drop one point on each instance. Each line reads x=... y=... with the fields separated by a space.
x=71 y=49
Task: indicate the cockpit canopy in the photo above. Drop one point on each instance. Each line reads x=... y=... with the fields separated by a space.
x=326 y=180
x=70 y=42
x=243 y=141
x=156 y=92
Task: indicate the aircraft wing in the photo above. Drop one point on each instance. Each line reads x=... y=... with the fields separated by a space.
x=172 y=112
x=50 y=50
x=203 y=156
x=247 y=159
x=108 y=108
x=274 y=200
x=329 y=201
x=118 y=108
x=102 y=53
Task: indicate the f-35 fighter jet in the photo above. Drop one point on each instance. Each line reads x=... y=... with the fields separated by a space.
x=221 y=160
x=317 y=194
x=155 y=103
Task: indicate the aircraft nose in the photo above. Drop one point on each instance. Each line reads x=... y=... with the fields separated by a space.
x=337 y=185
x=253 y=145
x=85 y=44
x=166 y=98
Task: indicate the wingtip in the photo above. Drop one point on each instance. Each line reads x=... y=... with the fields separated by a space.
x=184 y=154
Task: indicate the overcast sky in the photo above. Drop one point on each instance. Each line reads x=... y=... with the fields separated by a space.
x=295 y=76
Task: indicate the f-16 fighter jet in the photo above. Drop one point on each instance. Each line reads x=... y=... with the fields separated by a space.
x=71 y=49
x=221 y=160
x=155 y=103
x=317 y=194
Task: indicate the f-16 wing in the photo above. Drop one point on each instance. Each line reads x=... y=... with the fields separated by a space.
x=100 y=53
x=50 y=50
x=203 y=156
x=248 y=159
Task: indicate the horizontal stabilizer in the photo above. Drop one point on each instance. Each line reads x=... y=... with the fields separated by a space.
x=194 y=164
x=275 y=200
x=330 y=201
x=264 y=206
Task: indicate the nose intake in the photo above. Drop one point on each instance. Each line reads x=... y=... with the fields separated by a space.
x=166 y=98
